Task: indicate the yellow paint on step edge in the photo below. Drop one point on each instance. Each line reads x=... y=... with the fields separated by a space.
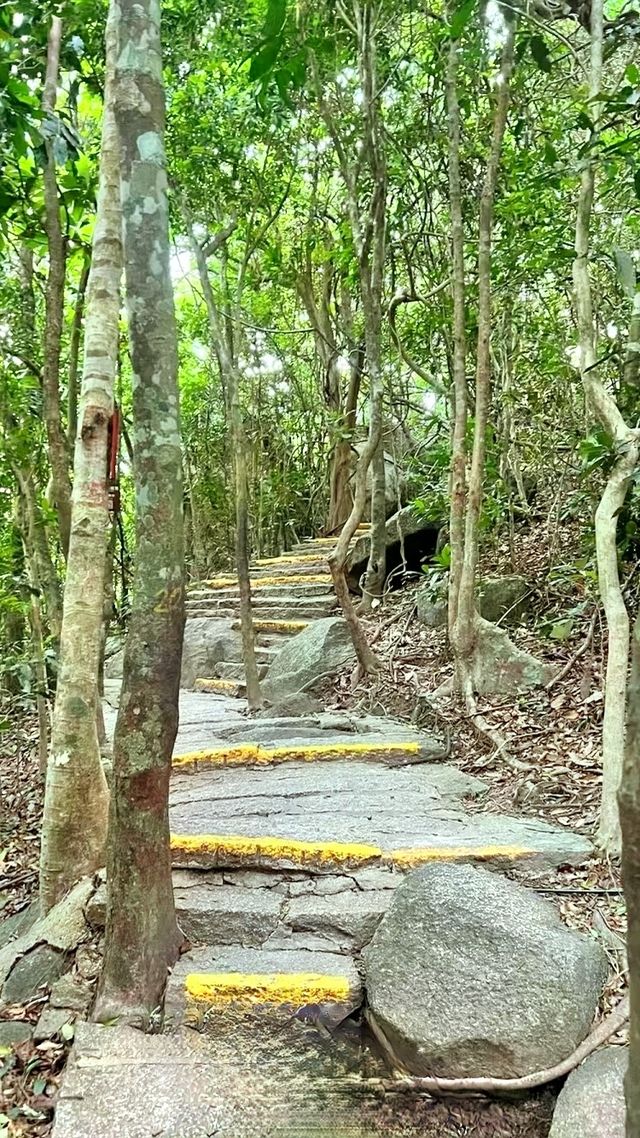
x=248 y=850
x=280 y=625
x=252 y=753
x=223 y=686
x=263 y=582
x=288 y=559
x=420 y=855
x=248 y=989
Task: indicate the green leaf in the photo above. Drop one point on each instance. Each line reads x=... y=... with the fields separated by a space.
x=276 y=16
x=626 y=271
x=67 y=1031
x=540 y=53
x=636 y=183
x=460 y=18
x=562 y=629
x=265 y=59
x=584 y=122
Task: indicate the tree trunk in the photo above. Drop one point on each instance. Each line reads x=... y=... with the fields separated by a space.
x=629 y=800
x=142 y=937
x=76 y=800
x=74 y=352
x=604 y=409
x=377 y=563
x=466 y=625
x=231 y=388
x=35 y=537
x=54 y=306
x=458 y=475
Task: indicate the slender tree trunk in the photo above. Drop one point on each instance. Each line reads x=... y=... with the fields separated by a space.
x=54 y=306
x=239 y=443
x=465 y=628
x=458 y=476
x=35 y=536
x=142 y=937
x=629 y=799
x=604 y=409
x=76 y=801
x=37 y=634
x=74 y=352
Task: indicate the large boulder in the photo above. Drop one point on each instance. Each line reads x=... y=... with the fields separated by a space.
x=472 y=974
x=504 y=599
x=322 y=648
x=207 y=642
x=405 y=529
x=393 y=482
x=591 y=1103
x=501 y=666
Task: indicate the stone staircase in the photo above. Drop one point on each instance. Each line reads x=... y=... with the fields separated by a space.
x=289 y=837
x=287 y=592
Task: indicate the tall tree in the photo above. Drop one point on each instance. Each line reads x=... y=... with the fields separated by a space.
x=602 y=405
x=142 y=936
x=57 y=439
x=76 y=800
x=629 y=798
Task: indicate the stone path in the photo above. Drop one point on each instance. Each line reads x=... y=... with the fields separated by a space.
x=289 y=836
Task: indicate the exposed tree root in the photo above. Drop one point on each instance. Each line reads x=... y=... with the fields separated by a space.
x=433 y=1085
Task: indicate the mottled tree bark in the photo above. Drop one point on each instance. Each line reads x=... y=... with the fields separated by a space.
x=465 y=628
x=142 y=937
x=458 y=474
x=54 y=306
x=603 y=407
x=74 y=352
x=629 y=801
x=76 y=800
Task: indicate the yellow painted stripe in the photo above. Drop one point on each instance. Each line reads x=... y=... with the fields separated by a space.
x=263 y=582
x=252 y=753
x=407 y=858
x=280 y=625
x=248 y=850
x=296 y=989
x=322 y=855
x=224 y=686
x=288 y=559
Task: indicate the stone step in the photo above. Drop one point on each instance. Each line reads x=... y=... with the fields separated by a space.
x=339 y=746
x=286 y=589
x=290 y=563
x=274 y=614
x=275 y=628
x=328 y=817
x=209 y=985
x=232 y=671
x=222 y=584
x=243 y=1083
x=235 y=689
x=265 y=608
x=281 y=912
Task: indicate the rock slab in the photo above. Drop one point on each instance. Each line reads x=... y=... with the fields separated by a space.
x=471 y=974
x=323 y=647
x=207 y=642
x=591 y=1103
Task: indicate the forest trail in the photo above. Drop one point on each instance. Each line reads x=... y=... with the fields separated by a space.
x=289 y=836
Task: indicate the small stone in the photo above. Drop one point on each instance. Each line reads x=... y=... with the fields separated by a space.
x=88 y=962
x=431 y=606
x=14 y=1031
x=72 y=993
x=326 y=886
x=51 y=1022
x=18 y=923
x=591 y=1103
x=96 y=907
x=37 y=968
